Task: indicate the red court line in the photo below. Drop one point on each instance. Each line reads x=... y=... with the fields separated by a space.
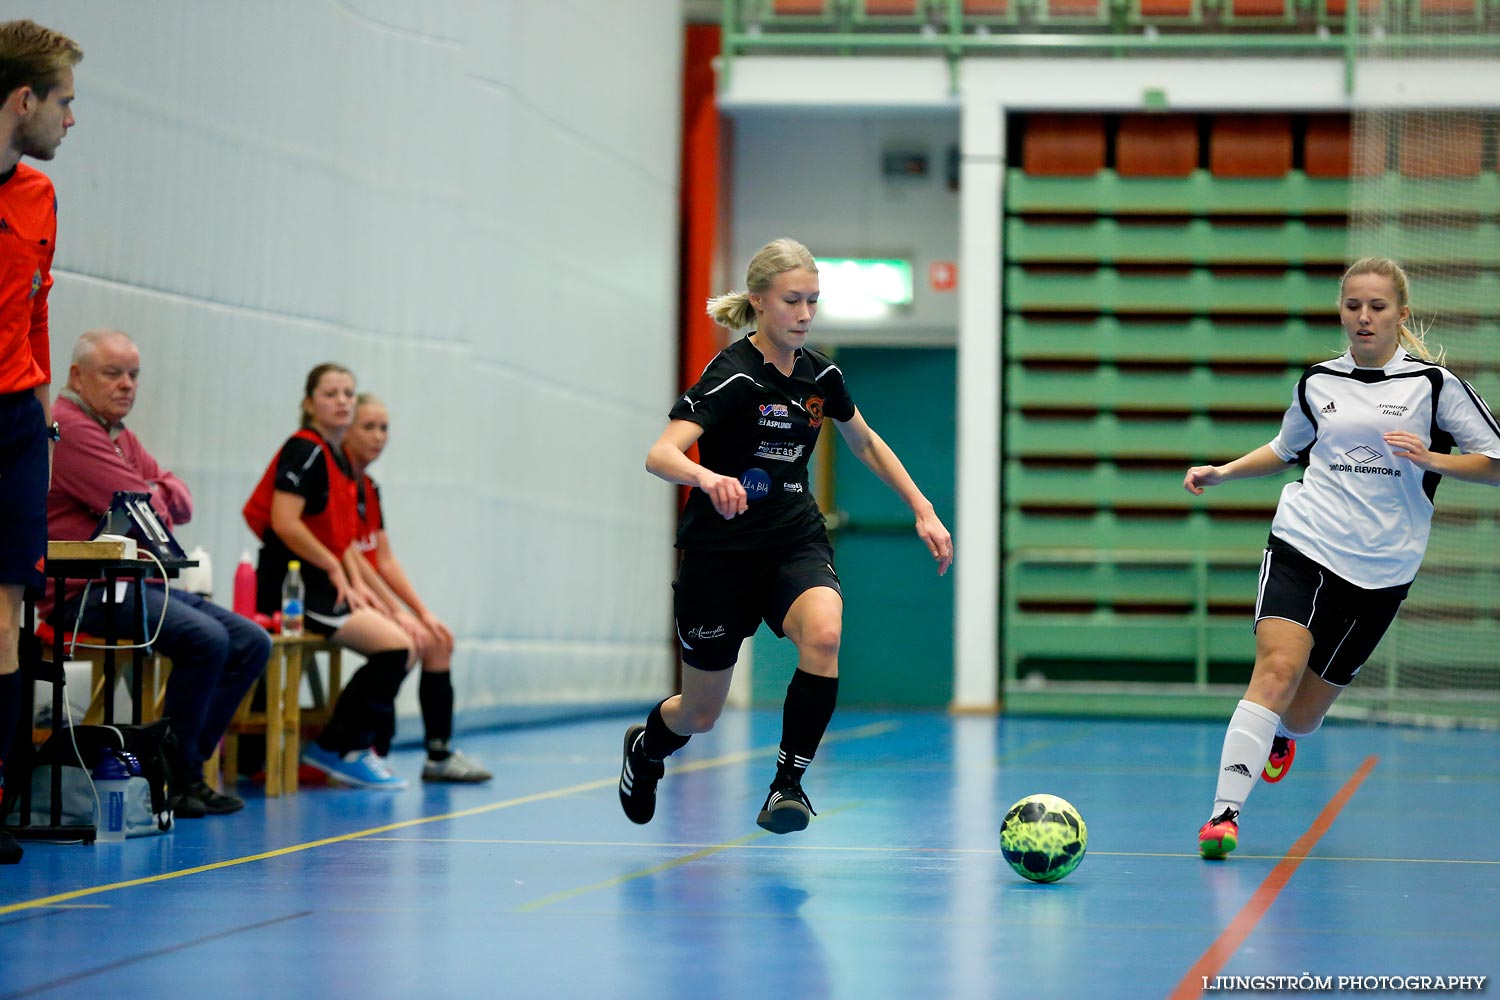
x=1244 y=922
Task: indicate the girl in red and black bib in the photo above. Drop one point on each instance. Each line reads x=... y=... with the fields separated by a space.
x=305 y=509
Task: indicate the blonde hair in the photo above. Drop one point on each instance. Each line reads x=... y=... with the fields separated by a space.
x=1414 y=341
x=34 y=56
x=368 y=399
x=734 y=309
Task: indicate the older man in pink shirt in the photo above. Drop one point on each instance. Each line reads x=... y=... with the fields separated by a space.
x=216 y=655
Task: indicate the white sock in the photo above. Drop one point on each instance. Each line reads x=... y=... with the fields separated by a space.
x=1247 y=745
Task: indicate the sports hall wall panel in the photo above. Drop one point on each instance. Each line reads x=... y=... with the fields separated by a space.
x=471 y=205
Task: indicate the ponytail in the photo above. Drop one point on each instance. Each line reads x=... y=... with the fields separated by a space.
x=1415 y=343
x=732 y=310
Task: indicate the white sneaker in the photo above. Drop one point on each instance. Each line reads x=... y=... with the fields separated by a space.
x=455 y=767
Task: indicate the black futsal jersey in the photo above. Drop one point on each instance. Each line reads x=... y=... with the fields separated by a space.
x=760 y=426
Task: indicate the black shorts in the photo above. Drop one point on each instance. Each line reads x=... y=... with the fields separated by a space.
x=23 y=489
x=1346 y=621
x=720 y=598
x=323 y=616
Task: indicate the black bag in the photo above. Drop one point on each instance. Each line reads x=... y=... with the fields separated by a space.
x=148 y=744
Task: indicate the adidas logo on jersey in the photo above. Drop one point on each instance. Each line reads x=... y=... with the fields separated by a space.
x=1330 y=408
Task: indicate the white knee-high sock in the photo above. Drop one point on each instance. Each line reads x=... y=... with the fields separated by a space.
x=1247 y=745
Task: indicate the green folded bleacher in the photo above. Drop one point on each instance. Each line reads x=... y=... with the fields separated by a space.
x=1161 y=299
x=1157 y=315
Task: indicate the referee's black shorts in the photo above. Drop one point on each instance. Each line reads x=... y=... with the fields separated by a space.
x=720 y=598
x=23 y=489
x=1346 y=621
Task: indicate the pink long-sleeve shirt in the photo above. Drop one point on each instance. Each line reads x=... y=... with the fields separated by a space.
x=88 y=466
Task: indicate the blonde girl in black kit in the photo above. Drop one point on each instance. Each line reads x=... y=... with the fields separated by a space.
x=754 y=546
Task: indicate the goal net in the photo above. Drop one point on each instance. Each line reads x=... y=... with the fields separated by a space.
x=1426 y=192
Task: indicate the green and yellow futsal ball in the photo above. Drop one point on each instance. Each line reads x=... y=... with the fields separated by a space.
x=1043 y=838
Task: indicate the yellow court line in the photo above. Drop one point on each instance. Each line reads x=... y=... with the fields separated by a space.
x=859 y=732
x=1027 y=749
x=925 y=851
x=558 y=897
x=610 y=883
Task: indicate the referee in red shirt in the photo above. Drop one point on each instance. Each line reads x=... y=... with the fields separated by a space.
x=36 y=111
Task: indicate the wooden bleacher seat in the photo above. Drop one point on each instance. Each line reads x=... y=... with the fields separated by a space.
x=1085 y=11
x=1433 y=147
x=1063 y=145
x=1250 y=145
x=1338 y=8
x=1156 y=146
x=892 y=8
x=1166 y=10
x=283 y=718
x=1460 y=11
x=1262 y=10
x=799 y=8
x=1327 y=146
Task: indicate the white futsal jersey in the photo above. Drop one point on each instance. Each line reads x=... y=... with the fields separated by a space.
x=1360 y=510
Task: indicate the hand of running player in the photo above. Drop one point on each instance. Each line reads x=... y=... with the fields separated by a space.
x=1199 y=477
x=939 y=541
x=727 y=494
x=1407 y=445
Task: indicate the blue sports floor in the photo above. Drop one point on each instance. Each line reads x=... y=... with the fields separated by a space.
x=1374 y=858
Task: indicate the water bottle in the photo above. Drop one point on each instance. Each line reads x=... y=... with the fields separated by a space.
x=199 y=579
x=292 y=596
x=244 y=587
x=111 y=780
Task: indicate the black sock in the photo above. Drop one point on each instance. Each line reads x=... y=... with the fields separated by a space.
x=10 y=703
x=366 y=710
x=435 y=692
x=804 y=718
x=661 y=742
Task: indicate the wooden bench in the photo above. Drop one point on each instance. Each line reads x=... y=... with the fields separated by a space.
x=283 y=718
x=281 y=722
x=155 y=669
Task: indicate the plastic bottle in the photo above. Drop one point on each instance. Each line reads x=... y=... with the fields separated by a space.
x=244 y=587
x=199 y=579
x=111 y=780
x=292 y=596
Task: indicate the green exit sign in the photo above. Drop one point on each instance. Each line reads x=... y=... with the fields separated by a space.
x=860 y=284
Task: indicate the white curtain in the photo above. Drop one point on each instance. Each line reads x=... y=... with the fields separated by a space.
x=473 y=206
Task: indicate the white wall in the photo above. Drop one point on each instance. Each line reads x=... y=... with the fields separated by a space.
x=816 y=175
x=474 y=206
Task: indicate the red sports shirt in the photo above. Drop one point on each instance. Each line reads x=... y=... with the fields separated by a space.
x=28 y=239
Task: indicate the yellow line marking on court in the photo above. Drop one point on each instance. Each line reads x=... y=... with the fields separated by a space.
x=859 y=732
x=610 y=883
x=558 y=897
x=1027 y=749
x=744 y=844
